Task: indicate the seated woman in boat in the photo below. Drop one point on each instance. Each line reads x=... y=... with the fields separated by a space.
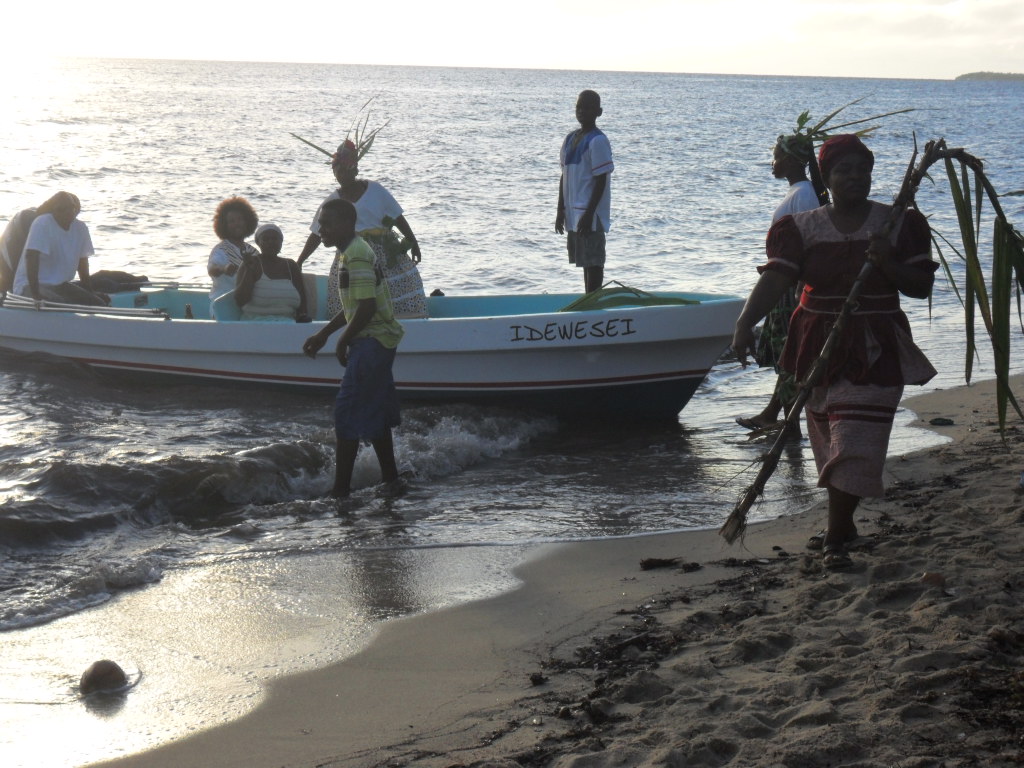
x=377 y=212
x=233 y=221
x=268 y=287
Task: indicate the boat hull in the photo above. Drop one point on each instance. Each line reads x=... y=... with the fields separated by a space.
x=514 y=351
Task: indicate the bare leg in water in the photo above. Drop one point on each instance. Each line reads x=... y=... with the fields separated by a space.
x=766 y=418
x=769 y=417
x=346 y=460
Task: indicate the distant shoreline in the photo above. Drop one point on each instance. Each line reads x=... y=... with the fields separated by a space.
x=992 y=76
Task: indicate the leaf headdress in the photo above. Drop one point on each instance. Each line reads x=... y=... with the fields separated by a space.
x=800 y=143
x=359 y=135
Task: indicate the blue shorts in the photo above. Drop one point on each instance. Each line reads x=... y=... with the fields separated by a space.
x=367 y=403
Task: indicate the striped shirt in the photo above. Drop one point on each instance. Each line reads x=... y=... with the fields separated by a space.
x=358 y=280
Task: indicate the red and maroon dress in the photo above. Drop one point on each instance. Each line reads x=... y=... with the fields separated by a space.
x=850 y=413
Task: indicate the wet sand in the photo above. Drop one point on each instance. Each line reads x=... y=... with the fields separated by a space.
x=748 y=655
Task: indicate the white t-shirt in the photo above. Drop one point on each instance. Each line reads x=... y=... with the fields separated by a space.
x=371 y=208
x=799 y=197
x=581 y=164
x=60 y=250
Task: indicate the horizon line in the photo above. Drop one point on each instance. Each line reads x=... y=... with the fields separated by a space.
x=518 y=68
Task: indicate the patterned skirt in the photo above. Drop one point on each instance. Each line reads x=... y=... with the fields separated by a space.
x=775 y=330
x=849 y=427
x=405 y=285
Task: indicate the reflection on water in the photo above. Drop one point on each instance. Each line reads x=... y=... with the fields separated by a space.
x=207 y=639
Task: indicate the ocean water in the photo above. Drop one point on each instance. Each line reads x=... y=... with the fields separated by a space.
x=116 y=500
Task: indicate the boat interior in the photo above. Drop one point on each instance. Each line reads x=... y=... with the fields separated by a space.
x=184 y=301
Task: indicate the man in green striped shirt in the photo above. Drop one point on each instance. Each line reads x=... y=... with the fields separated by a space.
x=367 y=404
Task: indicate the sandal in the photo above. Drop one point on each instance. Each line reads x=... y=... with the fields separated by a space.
x=817 y=541
x=749 y=423
x=835 y=558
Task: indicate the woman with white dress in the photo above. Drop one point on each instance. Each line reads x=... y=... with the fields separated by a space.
x=378 y=214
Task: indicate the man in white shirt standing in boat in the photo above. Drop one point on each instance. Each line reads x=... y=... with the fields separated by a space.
x=57 y=246
x=584 y=191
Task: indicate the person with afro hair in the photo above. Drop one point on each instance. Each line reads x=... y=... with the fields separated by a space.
x=233 y=221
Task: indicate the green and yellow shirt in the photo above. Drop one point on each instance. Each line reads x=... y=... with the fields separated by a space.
x=360 y=280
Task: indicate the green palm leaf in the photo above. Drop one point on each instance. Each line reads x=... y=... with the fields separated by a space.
x=1007 y=272
x=834 y=128
x=1006 y=255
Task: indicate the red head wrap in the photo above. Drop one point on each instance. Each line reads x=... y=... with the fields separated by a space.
x=838 y=147
x=347 y=155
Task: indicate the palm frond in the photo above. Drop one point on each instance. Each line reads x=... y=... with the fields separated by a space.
x=822 y=130
x=357 y=132
x=824 y=121
x=1002 y=268
x=310 y=143
x=969 y=235
x=936 y=236
x=1006 y=273
x=834 y=128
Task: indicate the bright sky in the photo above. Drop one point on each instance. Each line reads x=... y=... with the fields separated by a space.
x=857 y=38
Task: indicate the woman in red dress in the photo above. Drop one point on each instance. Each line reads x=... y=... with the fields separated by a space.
x=850 y=412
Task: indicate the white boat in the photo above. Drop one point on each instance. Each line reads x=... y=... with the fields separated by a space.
x=614 y=352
